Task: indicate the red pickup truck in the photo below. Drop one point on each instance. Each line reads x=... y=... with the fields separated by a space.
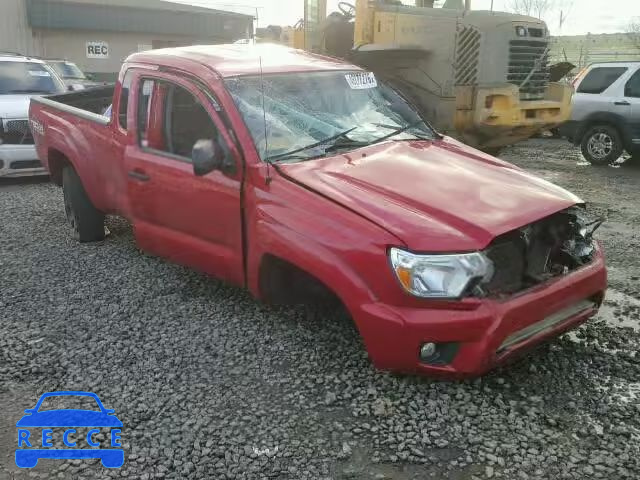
x=305 y=178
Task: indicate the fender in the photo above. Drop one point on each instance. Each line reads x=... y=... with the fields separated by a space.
x=335 y=272
x=312 y=257
x=59 y=135
x=67 y=137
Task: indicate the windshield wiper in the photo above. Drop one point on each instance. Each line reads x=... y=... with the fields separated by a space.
x=313 y=145
x=344 y=143
x=391 y=127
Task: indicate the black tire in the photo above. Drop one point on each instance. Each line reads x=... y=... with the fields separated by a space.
x=85 y=219
x=601 y=145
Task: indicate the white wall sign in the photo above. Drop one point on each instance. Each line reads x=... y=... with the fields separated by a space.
x=97 y=50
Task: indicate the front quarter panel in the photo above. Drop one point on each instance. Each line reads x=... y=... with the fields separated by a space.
x=345 y=251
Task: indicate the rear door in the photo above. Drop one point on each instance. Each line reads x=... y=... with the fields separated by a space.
x=194 y=221
x=598 y=91
x=632 y=97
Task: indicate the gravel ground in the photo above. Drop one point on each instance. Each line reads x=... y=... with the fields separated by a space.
x=211 y=384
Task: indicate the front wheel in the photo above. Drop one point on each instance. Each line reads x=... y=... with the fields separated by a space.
x=86 y=220
x=601 y=145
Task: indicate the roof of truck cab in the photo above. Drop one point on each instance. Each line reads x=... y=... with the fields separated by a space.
x=241 y=59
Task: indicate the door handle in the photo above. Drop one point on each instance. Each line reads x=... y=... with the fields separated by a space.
x=622 y=102
x=140 y=176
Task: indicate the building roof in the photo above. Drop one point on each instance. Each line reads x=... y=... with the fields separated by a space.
x=236 y=59
x=151 y=5
x=138 y=16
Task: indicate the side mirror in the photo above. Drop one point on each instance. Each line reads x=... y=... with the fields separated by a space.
x=206 y=157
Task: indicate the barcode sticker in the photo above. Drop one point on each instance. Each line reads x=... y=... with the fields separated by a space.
x=361 y=80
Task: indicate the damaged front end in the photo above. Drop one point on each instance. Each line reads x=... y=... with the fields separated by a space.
x=535 y=253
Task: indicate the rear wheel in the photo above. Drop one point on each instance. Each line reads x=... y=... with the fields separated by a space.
x=601 y=145
x=86 y=220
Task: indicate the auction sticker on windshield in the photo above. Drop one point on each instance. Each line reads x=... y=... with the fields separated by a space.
x=361 y=80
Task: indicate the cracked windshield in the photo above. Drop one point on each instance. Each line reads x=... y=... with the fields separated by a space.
x=320 y=240
x=305 y=110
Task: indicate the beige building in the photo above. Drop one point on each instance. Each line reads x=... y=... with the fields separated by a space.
x=99 y=35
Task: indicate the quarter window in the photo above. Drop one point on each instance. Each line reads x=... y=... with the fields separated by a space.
x=632 y=88
x=171 y=119
x=599 y=79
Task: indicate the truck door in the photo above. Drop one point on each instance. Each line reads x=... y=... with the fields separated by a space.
x=632 y=97
x=194 y=221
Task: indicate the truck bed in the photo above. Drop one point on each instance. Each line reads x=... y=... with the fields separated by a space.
x=89 y=104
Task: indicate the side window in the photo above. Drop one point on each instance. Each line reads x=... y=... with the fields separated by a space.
x=124 y=100
x=632 y=88
x=599 y=79
x=171 y=119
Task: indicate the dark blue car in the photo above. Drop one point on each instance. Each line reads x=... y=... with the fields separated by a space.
x=27 y=457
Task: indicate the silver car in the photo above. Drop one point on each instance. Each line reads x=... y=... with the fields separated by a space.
x=20 y=79
x=606 y=112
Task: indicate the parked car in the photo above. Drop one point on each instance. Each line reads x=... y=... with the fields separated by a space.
x=606 y=111
x=21 y=78
x=72 y=76
x=305 y=178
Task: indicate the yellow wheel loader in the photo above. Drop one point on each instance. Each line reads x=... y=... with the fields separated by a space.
x=479 y=76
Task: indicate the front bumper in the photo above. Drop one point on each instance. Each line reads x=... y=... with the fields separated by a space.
x=492 y=117
x=19 y=161
x=487 y=332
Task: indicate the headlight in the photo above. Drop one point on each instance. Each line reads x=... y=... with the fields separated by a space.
x=521 y=31
x=439 y=276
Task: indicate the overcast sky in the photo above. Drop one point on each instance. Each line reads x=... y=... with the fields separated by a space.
x=595 y=16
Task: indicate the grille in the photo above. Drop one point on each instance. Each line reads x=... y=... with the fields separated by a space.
x=467 y=56
x=525 y=56
x=17 y=132
x=22 y=164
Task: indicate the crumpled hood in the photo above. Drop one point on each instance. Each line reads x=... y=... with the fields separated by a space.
x=434 y=196
x=15 y=106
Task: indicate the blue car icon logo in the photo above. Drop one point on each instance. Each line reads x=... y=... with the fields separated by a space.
x=62 y=427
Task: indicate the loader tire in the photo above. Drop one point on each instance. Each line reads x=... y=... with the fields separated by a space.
x=86 y=220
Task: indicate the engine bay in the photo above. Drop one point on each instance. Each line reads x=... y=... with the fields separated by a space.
x=535 y=253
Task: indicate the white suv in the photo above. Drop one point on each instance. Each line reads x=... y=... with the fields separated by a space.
x=20 y=79
x=605 y=119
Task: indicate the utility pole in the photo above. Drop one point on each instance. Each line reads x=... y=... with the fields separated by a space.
x=467 y=5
